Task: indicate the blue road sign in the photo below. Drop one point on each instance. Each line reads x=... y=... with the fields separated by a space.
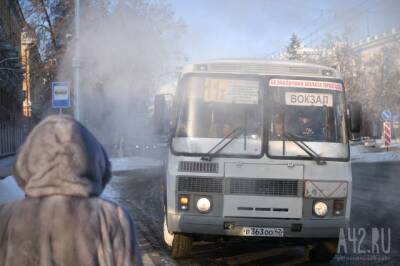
x=386 y=115
x=60 y=95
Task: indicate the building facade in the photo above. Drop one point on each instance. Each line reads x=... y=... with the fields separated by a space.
x=11 y=76
x=32 y=83
x=373 y=45
x=379 y=56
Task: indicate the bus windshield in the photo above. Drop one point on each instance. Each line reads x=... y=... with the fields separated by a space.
x=211 y=108
x=312 y=115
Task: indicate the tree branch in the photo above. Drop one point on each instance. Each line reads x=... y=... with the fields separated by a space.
x=53 y=38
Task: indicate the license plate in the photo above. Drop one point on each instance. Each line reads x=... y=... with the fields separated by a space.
x=262 y=231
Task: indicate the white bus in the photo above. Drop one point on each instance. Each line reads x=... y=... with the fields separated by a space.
x=258 y=149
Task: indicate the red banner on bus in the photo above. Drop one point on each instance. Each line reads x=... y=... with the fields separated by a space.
x=310 y=84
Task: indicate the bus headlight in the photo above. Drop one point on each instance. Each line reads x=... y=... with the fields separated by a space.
x=320 y=208
x=338 y=207
x=203 y=205
x=184 y=202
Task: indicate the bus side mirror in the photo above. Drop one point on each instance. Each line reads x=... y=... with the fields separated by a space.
x=354 y=114
x=162 y=113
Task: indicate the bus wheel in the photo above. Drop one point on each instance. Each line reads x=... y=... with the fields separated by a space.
x=180 y=245
x=323 y=251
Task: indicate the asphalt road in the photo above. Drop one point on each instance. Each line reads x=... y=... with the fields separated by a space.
x=375 y=205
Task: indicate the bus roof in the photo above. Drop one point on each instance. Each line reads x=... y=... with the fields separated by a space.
x=262 y=67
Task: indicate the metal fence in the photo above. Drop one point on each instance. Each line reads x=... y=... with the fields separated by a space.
x=11 y=138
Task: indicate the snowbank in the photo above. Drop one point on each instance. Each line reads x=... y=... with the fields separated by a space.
x=359 y=153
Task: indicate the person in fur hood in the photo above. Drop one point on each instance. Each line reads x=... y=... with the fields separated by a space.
x=63 y=170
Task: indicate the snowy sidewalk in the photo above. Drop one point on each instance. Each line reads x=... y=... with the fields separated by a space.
x=9 y=190
x=6 y=165
x=126 y=164
x=119 y=165
x=362 y=154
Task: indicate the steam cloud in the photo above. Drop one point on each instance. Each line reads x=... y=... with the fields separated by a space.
x=127 y=51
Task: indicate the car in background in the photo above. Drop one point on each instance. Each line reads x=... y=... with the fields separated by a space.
x=356 y=141
x=368 y=142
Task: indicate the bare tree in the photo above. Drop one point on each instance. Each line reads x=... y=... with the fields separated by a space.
x=49 y=21
x=372 y=80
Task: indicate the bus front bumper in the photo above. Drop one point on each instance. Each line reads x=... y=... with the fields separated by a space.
x=233 y=226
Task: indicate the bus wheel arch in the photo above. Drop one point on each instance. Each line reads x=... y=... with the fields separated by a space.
x=168 y=236
x=180 y=245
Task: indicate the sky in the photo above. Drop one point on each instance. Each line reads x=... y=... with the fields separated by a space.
x=261 y=28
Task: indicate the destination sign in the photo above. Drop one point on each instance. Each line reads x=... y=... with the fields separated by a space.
x=310 y=84
x=308 y=99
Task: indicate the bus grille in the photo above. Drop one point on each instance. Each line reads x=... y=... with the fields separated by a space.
x=199 y=184
x=198 y=167
x=270 y=187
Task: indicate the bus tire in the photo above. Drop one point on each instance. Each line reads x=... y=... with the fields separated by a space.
x=323 y=251
x=181 y=246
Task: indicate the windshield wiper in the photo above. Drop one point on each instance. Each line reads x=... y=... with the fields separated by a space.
x=210 y=154
x=305 y=148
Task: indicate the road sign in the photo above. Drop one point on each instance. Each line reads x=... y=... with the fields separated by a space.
x=60 y=95
x=386 y=115
x=387 y=132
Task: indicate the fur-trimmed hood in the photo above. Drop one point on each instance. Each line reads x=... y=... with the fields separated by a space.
x=61 y=157
x=62 y=221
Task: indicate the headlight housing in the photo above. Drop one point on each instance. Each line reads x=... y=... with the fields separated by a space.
x=203 y=205
x=184 y=202
x=338 y=207
x=320 y=208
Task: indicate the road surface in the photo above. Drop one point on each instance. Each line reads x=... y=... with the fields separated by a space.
x=375 y=205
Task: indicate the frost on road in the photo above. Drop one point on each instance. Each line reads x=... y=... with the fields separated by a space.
x=375 y=199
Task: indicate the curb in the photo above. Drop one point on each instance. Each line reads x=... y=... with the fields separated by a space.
x=4 y=156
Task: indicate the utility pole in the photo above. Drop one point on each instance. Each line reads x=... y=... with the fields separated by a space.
x=76 y=62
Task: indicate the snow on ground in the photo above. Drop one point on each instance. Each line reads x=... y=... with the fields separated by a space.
x=9 y=190
x=6 y=166
x=360 y=153
x=124 y=164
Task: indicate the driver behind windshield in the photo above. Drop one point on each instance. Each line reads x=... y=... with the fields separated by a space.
x=307 y=126
x=220 y=129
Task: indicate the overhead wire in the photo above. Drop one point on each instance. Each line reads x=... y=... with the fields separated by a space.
x=337 y=25
x=328 y=24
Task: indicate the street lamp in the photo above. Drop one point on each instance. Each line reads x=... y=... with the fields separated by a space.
x=76 y=63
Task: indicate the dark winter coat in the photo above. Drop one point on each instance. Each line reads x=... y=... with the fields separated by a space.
x=62 y=221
